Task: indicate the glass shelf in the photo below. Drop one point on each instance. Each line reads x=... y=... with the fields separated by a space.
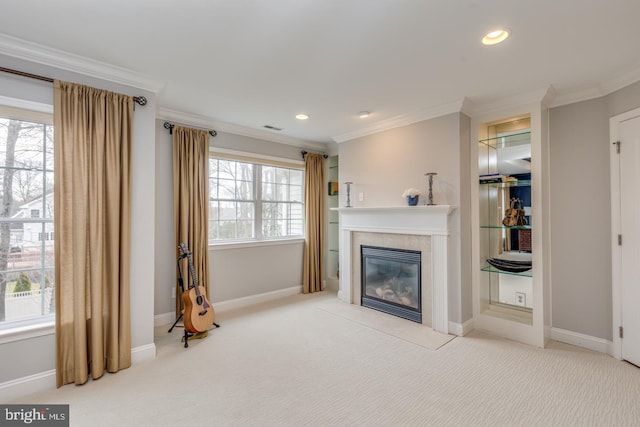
x=515 y=227
x=334 y=250
x=490 y=269
x=508 y=184
x=521 y=138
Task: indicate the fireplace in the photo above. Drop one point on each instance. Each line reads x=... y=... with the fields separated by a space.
x=391 y=281
x=421 y=228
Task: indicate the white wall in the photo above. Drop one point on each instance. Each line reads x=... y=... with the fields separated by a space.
x=37 y=355
x=581 y=212
x=383 y=165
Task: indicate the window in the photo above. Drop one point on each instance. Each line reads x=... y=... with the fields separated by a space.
x=26 y=218
x=253 y=201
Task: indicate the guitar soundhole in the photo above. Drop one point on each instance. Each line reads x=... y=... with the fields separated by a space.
x=199 y=299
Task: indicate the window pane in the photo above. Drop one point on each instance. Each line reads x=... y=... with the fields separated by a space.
x=268 y=191
x=244 y=190
x=295 y=193
x=283 y=192
x=227 y=210
x=282 y=176
x=226 y=169
x=245 y=210
x=295 y=177
x=268 y=174
x=226 y=189
x=227 y=229
x=26 y=241
x=245 y=229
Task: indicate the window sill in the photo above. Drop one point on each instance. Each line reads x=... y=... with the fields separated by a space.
x=27 y=332
x=253 y=244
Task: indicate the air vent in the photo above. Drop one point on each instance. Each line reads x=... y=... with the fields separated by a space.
x=272 y=127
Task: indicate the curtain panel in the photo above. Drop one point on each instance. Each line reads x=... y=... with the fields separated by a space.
x=191 y=203
x=92 y=210
x=314 y=223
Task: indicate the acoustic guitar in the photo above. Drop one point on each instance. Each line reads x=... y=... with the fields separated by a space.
x=198 y=314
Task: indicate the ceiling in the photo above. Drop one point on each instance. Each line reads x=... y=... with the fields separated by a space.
x=252 y=63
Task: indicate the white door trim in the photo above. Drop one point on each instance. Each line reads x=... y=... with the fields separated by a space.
x=616 y=254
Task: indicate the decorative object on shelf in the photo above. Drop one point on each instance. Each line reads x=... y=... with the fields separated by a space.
x=514 y=215
x=348 y=183
x=430 y=196
x=510 y=214
x=412 y=195
x=333 y=188
x=511 y=266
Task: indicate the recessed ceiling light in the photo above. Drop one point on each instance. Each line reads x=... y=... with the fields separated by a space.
x=363 y=114
x=495 y=37
x=302 y=116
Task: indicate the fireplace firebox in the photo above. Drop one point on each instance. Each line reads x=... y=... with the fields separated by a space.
x=391 y=281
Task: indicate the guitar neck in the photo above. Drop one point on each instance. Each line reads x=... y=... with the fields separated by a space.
x=192 y=270
x=194 y=276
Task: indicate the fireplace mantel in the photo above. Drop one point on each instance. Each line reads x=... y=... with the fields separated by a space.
x=410 y=220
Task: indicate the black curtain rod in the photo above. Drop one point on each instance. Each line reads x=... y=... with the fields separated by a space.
x=304 y=153
x=140 y=100
x=170 y=126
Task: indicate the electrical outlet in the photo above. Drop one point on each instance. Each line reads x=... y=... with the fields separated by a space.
x=361 y=197
x=521 y=299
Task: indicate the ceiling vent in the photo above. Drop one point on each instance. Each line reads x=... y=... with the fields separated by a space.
x=272 y=127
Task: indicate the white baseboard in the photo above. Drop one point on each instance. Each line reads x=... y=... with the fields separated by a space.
x=256 y=299
x=26 y=385
x=14 y=389
x=143 y=353
x=461 y=329
x=164 y=319
x=581 y=340
x=168 y=318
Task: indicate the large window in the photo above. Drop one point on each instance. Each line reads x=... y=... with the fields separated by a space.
x=26 y=218
x=253 y=201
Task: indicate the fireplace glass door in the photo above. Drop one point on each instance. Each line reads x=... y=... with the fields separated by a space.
x=391 y=281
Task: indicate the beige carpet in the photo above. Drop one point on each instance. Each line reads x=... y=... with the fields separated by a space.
x=290 y=363
x=388 y=324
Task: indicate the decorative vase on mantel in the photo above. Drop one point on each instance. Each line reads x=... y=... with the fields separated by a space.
x=412 y=200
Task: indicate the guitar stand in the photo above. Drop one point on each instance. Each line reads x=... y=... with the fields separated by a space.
x=187 y=335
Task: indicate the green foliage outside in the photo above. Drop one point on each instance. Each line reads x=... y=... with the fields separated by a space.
x=23 y=284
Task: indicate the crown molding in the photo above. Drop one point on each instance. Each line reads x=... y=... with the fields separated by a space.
x=584 y=94
x=208 y=123
x=543 y=96
x=621 y=81
x=405 y=119
x=603 y=89
x=44 y=55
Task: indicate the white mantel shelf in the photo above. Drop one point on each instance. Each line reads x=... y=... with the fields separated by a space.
x=424 y=209
x=420 y=220
x=413 y=220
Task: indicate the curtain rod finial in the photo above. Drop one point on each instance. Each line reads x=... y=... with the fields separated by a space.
x=140 y=100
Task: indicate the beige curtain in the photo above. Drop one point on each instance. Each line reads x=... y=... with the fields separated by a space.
x=92 y=193
x=191 y=202
x=314 y=222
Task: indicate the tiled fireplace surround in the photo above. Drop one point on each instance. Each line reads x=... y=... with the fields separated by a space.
x=422 y=228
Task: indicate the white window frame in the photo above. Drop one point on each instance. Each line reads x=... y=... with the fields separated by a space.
x=11 y=331
x=258 y=161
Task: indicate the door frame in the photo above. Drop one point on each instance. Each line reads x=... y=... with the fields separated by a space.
x=616 y=250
